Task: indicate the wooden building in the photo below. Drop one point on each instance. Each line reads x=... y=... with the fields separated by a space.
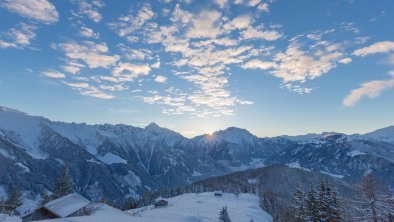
x=161 y=202
x=67 y=206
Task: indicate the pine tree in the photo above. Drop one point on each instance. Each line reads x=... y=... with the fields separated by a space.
x=13 y=202
x=45 y=198
x=224 y=215
x=299 y=213
x=323 y=201
x=312 y=208
x=63 y=185
x=333 y=206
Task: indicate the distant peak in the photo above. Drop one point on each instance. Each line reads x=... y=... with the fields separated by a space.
x=152 y=126
x=6 y=109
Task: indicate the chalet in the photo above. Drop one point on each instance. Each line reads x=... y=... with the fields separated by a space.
x=161 y=202
x=66 y=206
x=218 y=193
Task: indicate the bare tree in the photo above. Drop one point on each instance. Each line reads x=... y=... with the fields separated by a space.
x=374 y=200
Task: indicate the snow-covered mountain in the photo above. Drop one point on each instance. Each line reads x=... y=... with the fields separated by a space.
x=386 y=134
x=340 y=156
x=121 y=160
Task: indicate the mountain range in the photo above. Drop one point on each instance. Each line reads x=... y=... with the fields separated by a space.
x=119 y=161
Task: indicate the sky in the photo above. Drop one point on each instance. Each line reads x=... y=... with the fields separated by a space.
x=274 y=67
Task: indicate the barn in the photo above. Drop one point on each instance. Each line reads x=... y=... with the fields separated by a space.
x=66 y=206
x=161 y=202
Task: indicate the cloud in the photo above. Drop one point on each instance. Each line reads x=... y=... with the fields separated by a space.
x=240 y=22
x=205 y=25
x=377 y=47
x=296 y=64
x=90 y=9
x=253 y=2
x=263 y=7
x=221 y=3
x=346 y=60
x=253 y=33
x=88 y=33
x=89 y=90
x=18 y=37
x=370 y=89
x=161 y=79
x=130 y=24
x=72 y=67
x=125 y=72
x=54 y=74
x=179 y=15
x=258 y=64
x=91 y=53
x=39 y=10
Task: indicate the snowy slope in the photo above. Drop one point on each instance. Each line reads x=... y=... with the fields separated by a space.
x=205 y=207
x=384 y=134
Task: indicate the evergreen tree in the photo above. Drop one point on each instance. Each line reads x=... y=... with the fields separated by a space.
x=14 y=201
x=333 y=206
x=390 y=217
x=2 y=210
x=312 y=208
x=63 y=185
x=224 y=215
x=299 y=213
x=45 y=198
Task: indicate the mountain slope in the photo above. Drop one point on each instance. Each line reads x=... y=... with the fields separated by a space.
x=121 y=160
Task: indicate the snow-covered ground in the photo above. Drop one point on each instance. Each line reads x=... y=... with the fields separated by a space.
x=204 y=207
x=191 y=207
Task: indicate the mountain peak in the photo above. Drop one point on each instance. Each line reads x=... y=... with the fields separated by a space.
x=6 y=109
x=385 y=134
x=152 y=126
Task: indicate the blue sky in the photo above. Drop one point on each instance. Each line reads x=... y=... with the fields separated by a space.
x=271 y=66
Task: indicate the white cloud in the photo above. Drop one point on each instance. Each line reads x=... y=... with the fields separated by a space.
x=72 y=67
x=253 y=33
x=377 y=47
x=130 y=24
x=39 y=10
x=129 y=72
x=90 y=9
x=89 y=90
x=263 y=7
x=205 y=25
x=296 y=64
x=221 y=3
x=179 y=15
x=93 y=54
x=346 y=60
x=370 y=89
x=253 y=2
x=156 y=65
x=88 y=33
x=258 y=64
x=80 y=85
x=18 y=37
x=161 y=79
x=54 y=74
x=240 y=22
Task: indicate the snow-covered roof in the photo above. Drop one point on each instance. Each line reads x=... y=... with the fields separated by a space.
x=160 y=199
x=67 y=205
